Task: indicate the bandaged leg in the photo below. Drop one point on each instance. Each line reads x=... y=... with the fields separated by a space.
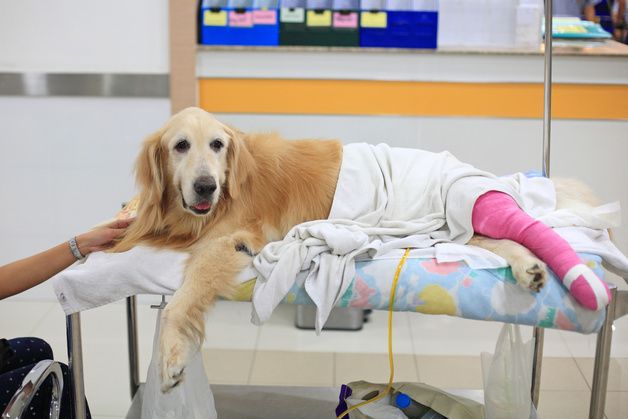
x=497 y=215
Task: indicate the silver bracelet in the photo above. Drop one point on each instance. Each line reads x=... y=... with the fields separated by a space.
x=74 y=249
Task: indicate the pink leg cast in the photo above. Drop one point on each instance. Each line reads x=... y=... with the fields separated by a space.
x=497 y=215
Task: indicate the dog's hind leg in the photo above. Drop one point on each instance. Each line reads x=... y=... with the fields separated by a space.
x=209 y=274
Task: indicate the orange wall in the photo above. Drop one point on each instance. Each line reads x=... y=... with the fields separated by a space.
x=355 y=97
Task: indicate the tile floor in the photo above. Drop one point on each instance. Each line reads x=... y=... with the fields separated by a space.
x=438 y=350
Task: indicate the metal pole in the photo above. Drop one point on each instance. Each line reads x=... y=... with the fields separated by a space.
x=538 y=332
x=547 y=90
x=131 y=331
x=602 y=360
x=75 y=363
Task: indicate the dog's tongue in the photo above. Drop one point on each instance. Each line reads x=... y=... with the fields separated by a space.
x=202 y=206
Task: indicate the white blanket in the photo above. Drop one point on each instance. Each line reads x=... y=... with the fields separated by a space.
x=386 y=198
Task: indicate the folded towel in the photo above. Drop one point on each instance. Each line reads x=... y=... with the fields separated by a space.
x=103 y=278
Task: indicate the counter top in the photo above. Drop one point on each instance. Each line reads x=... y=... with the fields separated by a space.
x=605 y=48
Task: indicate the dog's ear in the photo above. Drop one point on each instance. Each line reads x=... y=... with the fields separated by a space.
x=240 y=163
x=150 y=171
x=150 y=177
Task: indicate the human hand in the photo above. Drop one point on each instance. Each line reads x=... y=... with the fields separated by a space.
x=103 y=237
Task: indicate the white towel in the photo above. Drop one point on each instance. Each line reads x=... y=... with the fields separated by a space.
x=103 y=278
x=386 y=198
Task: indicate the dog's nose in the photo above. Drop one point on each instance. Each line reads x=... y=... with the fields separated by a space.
x=204 y=186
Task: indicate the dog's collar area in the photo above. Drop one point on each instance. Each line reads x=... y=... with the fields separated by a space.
x=241 y=247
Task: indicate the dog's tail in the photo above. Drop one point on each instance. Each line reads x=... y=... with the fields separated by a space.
x=575 y=194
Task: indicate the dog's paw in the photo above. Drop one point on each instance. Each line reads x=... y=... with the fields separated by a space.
x=530 y=273
x=176 y=351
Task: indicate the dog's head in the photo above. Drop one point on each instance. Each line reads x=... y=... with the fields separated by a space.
x=185 y=171
x=192 y=163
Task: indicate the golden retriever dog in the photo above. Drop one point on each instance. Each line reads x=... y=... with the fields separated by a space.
x=222 y=195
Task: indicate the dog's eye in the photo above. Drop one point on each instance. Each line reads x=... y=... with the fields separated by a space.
x=216 y=145
x=182 y=146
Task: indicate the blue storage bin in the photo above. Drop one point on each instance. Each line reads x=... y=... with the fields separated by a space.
x=346 y=22
x=398 y=24
x=316 y=23
x=239 y=22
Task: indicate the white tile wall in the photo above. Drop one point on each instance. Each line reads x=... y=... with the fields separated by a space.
x=75 y=36
x=65 y=165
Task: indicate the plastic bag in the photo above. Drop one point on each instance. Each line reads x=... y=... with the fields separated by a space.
x=508 y=377
x=191 y=399
x=381 y=409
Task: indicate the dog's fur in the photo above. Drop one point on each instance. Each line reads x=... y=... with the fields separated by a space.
x=264 y=185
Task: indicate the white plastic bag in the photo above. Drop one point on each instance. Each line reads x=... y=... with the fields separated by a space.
x=381 y=409
x=508 y=377
x=191 y=399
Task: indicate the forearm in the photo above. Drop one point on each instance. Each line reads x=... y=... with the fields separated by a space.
x=26 y=273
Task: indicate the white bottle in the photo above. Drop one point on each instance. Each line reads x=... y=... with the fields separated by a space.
x=501 y=23
x=529 y=19
x=448 y=28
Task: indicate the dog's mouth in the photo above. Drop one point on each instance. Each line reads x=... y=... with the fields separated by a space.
x=201 y=208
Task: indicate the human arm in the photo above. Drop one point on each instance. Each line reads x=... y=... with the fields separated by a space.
x=619 y=16
x=589 y=13
x=23 y=274
x=589 y=10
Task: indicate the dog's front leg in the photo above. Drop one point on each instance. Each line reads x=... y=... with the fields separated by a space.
x=529 y=271
x=209 y=274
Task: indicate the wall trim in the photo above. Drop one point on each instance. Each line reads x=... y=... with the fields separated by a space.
x=83 y=84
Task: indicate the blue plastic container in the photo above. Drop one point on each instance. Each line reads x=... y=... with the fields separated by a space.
x=239 y=22
x=392 y=25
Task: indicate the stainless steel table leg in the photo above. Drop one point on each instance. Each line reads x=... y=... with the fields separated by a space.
x=537 y=362
x=131 y=331
x=75 y=364
x=602 y=360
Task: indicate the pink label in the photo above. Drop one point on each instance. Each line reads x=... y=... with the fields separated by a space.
x=240 y=19
x=265 y=17
x=345 y=20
